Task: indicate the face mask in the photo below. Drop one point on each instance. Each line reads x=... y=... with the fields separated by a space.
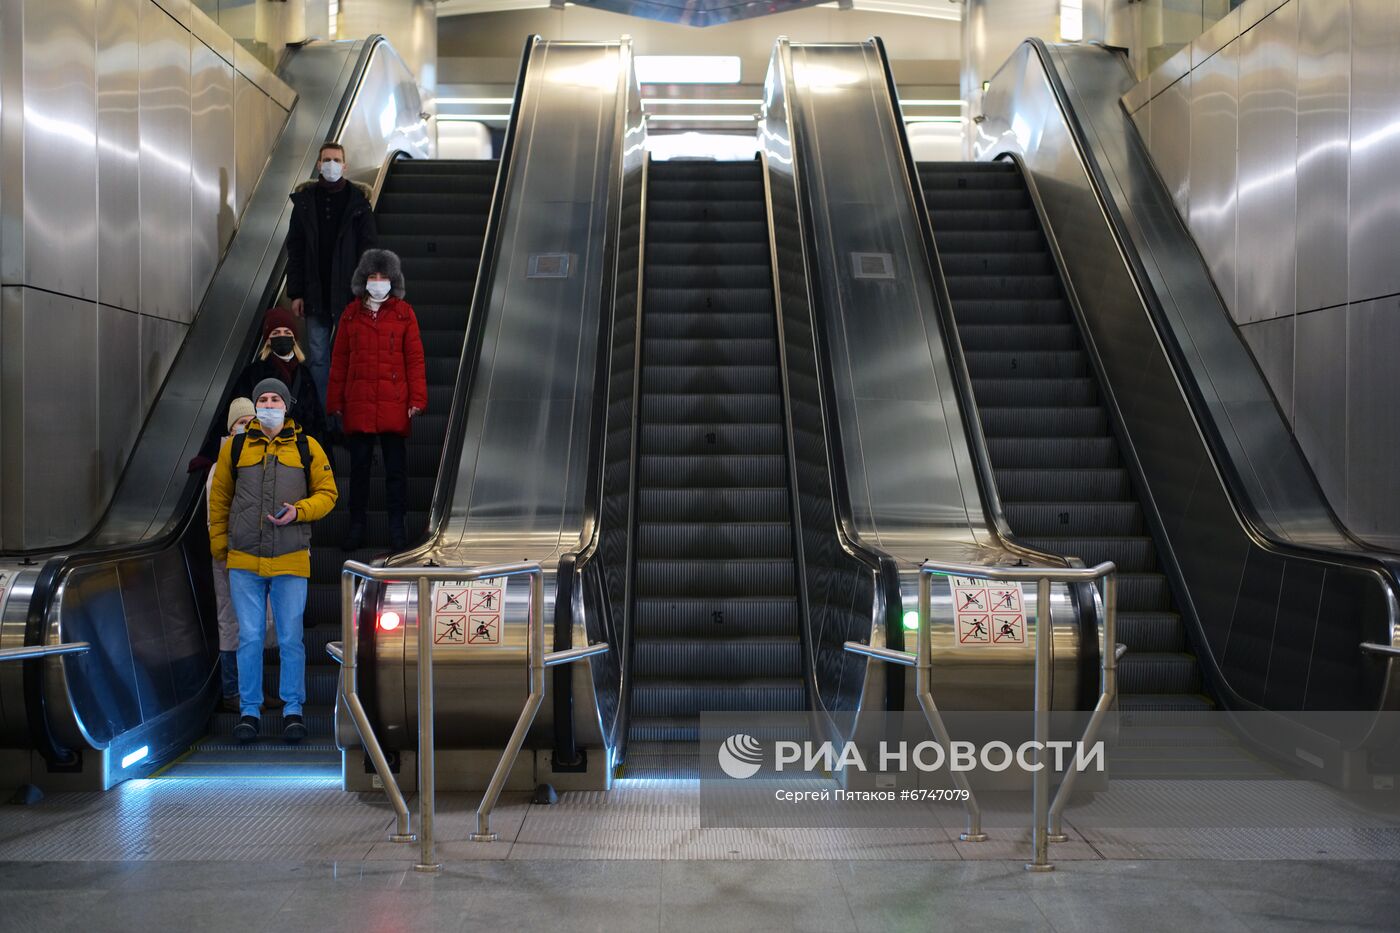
x=378 y=290
x=271 y=420
x=240 y=429
x=331 y=171
x=282 y=346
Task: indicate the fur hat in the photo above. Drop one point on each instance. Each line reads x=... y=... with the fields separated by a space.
x=378 y=262
x=239 y=408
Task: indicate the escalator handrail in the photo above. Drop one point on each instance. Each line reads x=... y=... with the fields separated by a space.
x=952 y=341
x=1362 y=559
x=446 y=484
x=56 y=570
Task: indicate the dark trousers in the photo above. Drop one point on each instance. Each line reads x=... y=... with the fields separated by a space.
x=394 y=449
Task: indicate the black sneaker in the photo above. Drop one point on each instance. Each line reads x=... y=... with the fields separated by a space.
x=293 y=729
x=354 y=538
x=247 y=729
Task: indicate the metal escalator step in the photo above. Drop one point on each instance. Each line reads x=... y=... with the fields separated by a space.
x=701 y=277
x=1135 y=554
x=940 y=198
x=1007 y=337
x=707 y=231
x=445 y=224
x=985 y=287
x=1053 y=452
x=691 y=408
x=703 y=168
x=659 y=729
x=1155 y=709
x=706 y=212
x=684 y=351
x=1072 y=519
x=700 y=253
x=953 y=242
x=1030 y=393
x=459 y=246
x=1012 y=311
x=715 y=615
x=714 y=505
x=744 y=380
x=666 y=699
x=323 y=612
x=720 y=299
x=946 y=219
x=1143 y=592
x=711 y=438
x=446 y=343
x=455 y=292
x=446 y=167
x=938 y=170
x=451 y=270
x=698 y=577
x=1079 y=421
x=400 y=183
x=1044 y=485
x=661 y=188
x=715 y=540
x=959 y=264
x=332 y=529
x=443 y=316
x=663 y=323
x=1152 y=631
x=692 y=658
x=427 y=204
x=1028 y=364
x=1159 y=673
x=657 y=471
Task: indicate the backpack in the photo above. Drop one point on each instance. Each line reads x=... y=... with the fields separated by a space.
x=303 y=451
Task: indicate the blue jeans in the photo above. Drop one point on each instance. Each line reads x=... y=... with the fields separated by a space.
x=318 y=352
x=250 y=594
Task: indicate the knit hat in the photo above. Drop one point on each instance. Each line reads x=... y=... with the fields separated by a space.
x=378 y=262
x=239 y=408
x=279 y=317
x=276 y=386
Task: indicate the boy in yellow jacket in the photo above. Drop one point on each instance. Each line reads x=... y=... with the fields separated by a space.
x=269 y=485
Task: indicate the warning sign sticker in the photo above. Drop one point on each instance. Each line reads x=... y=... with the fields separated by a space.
x=987 y=612
x=469 y=613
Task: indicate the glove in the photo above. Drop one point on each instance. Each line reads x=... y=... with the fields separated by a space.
x=200 y=464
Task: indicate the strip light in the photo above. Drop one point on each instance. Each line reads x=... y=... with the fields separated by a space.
x=138 y=755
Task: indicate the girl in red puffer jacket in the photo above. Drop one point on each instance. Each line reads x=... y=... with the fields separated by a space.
x=378 y=385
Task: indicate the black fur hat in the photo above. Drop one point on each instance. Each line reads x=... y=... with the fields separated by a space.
x=378 y=262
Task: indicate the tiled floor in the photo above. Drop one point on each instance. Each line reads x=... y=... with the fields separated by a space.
x=302 y=855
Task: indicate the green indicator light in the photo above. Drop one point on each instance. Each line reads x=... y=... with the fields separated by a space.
x=911 y=620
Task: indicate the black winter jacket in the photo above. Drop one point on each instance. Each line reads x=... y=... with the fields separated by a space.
x=357 y=234
x=306 y=407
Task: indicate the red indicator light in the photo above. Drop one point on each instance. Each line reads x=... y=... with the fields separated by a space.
x=388 y=621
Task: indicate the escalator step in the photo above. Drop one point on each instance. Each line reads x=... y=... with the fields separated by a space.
x=724 y=299
x=702 y=169
x=657 y=471
x=410 y=224
x=446 y=167
x=1129 y=703
x=707 y=231
x=1053 y=452
x=714 y=505
x=961 y=265
x=1041 y=485
x=746 y=380
x=457 y=272
x=689 y=617
x=1129 y=554
x=951 y=199
x=690 y=658
x=702 y=277
x=1029 y=364
x=953 y=242
x=715 y=540
x=985 y=287
x=446 y=246
x=661 y=189
x=710 y=211
x=712 y=438
x=681 y=351
x=694 y=409
x=663 y=699
x=1152 y=631
x=1158 y=672
x=1143 y=592
x=1011 y=311
x=699 y=577
x=707 y=254
x=1066 y=519
x=1081 y=421
x=1013 y=220
x=1003 y=337
x=712 y=325
x=426 y=204
x=401 y=183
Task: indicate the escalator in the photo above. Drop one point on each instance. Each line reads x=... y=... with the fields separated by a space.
x=433 y=214
x=715 y=604
x=1052 y=444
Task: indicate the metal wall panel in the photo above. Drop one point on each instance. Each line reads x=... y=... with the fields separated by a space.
x=1171 y=140
x=119 y=141
x=165 y=166
x=1375 y=149
x=60 y=149
x=119 y=398
x=1320 y=399
x=1213 y=209
x=60 y=415
x=212 y=164
x=1271 y=341
x=1373 y=420
x=251 y=140
x=1324 y=125
x=160 y=341
x=1265 y=182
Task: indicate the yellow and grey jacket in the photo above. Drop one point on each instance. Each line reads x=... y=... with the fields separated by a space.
x=243 y=495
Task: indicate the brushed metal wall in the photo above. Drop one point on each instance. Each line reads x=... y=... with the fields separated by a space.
x=1289 y=189
x=131 y=133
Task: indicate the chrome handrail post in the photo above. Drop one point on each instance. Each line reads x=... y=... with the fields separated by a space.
x=923 y=686
x=349 y=692
x=535 y=650
x=1040 y=779
x=427 y=789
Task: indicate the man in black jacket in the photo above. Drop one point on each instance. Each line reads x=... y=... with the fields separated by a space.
x=332 y=224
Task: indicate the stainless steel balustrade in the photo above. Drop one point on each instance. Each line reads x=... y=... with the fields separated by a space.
x=347 y=651
x=43 y=651
x=1046 y=826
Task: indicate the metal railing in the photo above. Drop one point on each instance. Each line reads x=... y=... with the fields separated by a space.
x=347 y=651
x=1047 y=816
x=43 y=651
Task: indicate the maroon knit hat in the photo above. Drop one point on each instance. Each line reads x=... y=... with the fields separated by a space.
x=279 y=317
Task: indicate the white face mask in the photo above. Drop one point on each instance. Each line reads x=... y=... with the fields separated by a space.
x=240 y=429
x=271 y=420
x=331 y=171
x=378 y=289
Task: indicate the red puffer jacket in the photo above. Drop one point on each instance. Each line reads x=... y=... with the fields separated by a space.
x=377 y=370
